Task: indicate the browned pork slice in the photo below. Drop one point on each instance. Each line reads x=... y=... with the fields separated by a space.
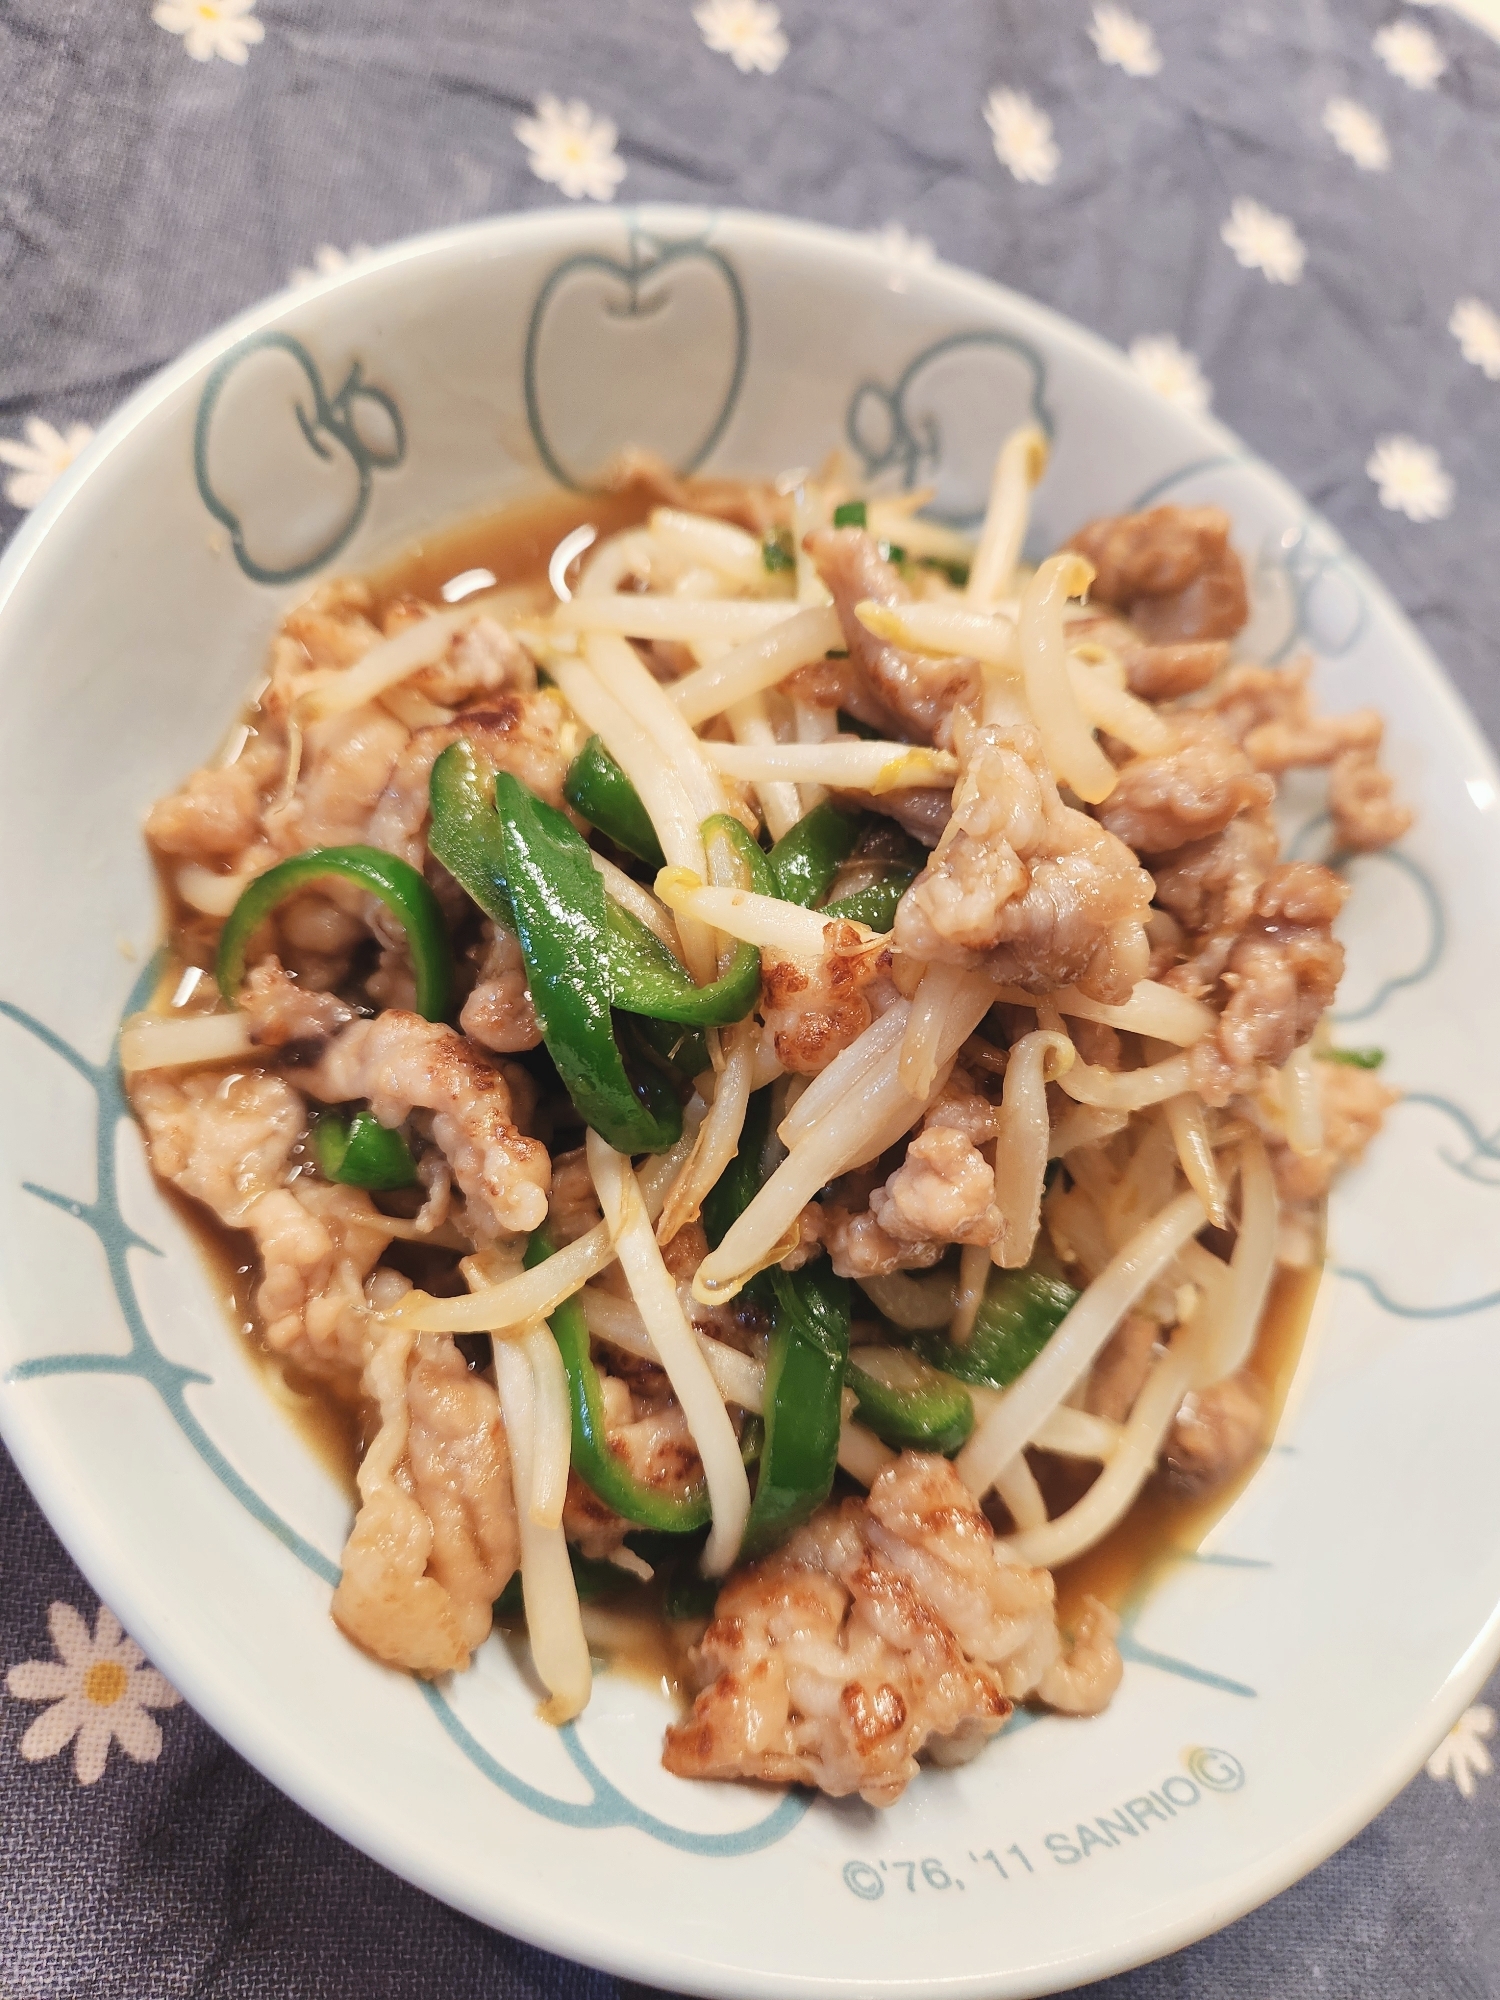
x=1216 y=1433
x=1187 y=793
x=885 y=1628
x=1281 y=974
x=401 y=1063
x=1170 y=570
x=920 y=691
x=1162 y=673
x=1208 y=888
x=1354 y=1102
x=814 y=1008
x=227 y=1141
x=1270 y=711
x=513 y=731
x=1031 y=889
x=435 y=1540
x=498 y=1013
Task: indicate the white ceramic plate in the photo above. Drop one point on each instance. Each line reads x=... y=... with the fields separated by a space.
x=1281 y=1684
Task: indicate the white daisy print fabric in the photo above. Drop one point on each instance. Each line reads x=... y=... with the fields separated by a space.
x=1461 y=1758
x=1358 y=134
x=1411 y=479
x=1022 y=135
x=1410 y=52
x=98 y=1690
x=1123 y=41
x=573 y=149
x=327 y=261
x=1264 y=241
x=1171 y=371
x=747 y=31
x=224 y=28
x=39 y=457
x=1476 y=328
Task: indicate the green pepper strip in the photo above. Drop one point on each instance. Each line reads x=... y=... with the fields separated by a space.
x=803 y=1403
x=467 y=837
x=1019 y=1314
x=911 y=1405
x=596 y=1465
x=875 y=905
x=596 y=787
x=747 y=849
x=561 y=921
x=395 y=882
x=361 y=1152
x=807 y=857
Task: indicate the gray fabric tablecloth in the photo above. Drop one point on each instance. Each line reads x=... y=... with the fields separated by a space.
x=1284 y=206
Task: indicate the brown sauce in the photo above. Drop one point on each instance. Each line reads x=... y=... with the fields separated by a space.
x=514 y=545
x=1164 y=1525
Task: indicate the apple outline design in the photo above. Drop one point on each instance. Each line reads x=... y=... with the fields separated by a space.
x=649 y=256
x=903 y=445
x=332 y=417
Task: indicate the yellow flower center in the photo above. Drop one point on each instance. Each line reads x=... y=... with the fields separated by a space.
x=104 y=1683
x=207 y=11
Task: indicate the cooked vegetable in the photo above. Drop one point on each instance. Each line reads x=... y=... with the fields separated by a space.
x=395 y=882
x=591 y=1578
x=875 y=905
x=596 y=787
x=1020 y=1313
x=563 y=927
x=467 y=836
x=596 y=1465
x=777 y=553
x=807 y=857
x=361 y=1152
x=849 y=514
x=907 y=1403
x=804 y=1402
x=1355 y=1058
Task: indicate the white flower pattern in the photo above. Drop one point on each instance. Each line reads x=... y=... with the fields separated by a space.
x=99 y=1691
x=1411 y=479
x=1410 y=52
x=1122 y=40
x=568 y=146
x=327 y=261
x=1357 y=133
x=41 y=460
x=747 y=31
x=1022 y=133
x=1264 y=241
x=1461 y=1754
x=1171 y=371
x=209 y=28
x=902 y=251
x=1476 y=328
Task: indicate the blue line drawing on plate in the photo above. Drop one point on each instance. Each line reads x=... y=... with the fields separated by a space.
x=609 y=1806
x=334 y=418
x=646 y=274
x=145 y=1361
x=1301 y=848
x=1308 y=562
x=885 y=430
x=1483 y=1148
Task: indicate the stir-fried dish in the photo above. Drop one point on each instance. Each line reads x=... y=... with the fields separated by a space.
x=777 y=1062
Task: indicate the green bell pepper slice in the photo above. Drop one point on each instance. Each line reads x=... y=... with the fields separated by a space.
x=1020 y=1312
x=803 y=1403
x=808 y=855
x=875 y=905
x=908 y=1404
x=563 y=928
x=467 y=837
x=596 y=787
x=596 y=1465
x=395 y=882
x=361 y=1152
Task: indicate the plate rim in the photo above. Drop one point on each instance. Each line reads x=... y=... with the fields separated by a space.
x=127 y=1587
